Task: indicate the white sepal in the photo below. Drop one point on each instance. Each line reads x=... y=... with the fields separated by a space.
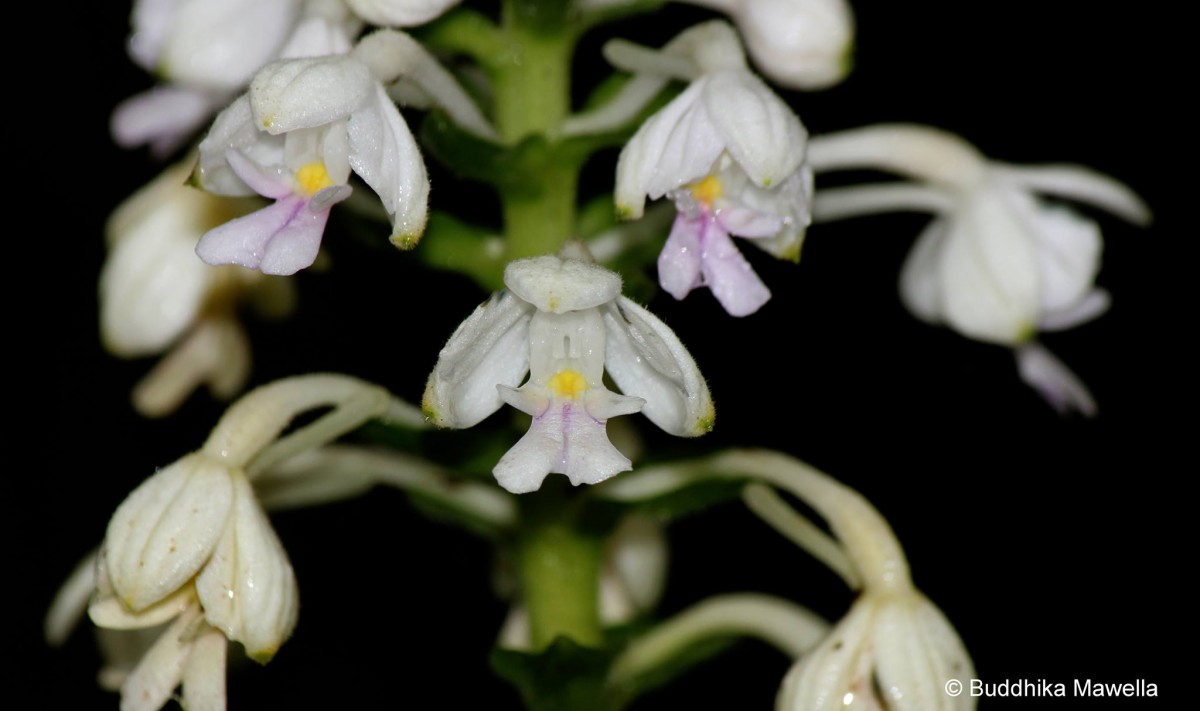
x=758 y=130
x=821 y=679
x=165 y=531
x=916 y=653
x=673 y=147
x=988 y=272
x=559 y=285
x=646 y=359
x=303 y=93
x=490 y=348
x=248 y=589
x=384 y=154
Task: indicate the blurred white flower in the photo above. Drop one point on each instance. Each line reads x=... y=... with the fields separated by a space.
x=997 y=264
x=157 y=297
x=565 y=323
x=205 y=51
x=799 y=44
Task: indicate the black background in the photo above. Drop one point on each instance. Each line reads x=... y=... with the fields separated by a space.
x=1056 y=545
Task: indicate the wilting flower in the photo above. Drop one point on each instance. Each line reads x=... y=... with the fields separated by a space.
x=565 y=323
x=295 y=137
x=730 y=154
x=156 y=296
x=997 y=264
x=800 y=44
x=192 y=544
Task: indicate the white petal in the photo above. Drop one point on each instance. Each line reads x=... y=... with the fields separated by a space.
x=166 y=529
x=221 y=43
x=248 y=589
x=308 y=92
x=800 y=44
x=234 y=130
x=675 y=146
x=821 y=679
x=758 y=130
x=560 y=285
x=920 y=277
x=151 y=684
x=989 y=272
x=646 y=359
x=399 y=13
x=385 y=155
x=204 y=674
x=122 y=651
x=917 y=652
x=490 y=348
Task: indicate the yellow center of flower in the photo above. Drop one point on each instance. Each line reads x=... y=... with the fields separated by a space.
x=313 y=177
x=567 y=383
x=707 y=190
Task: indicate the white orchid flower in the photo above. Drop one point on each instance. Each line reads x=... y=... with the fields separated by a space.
x=304 y=125
x=730 y=154
x=799 y=44
x=565 y=323
x=156 y=297
x=206 y=51
x=997 y=264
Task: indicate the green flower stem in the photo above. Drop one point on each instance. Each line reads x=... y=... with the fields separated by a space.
x=532 y=98
x=559 y=569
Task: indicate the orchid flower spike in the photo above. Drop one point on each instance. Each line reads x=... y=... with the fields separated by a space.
x=729 y=153
x=295 y=137
x=998 y=264
x=157 y=298
x=565 y=323
x=798 y=44
x=193 y=545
